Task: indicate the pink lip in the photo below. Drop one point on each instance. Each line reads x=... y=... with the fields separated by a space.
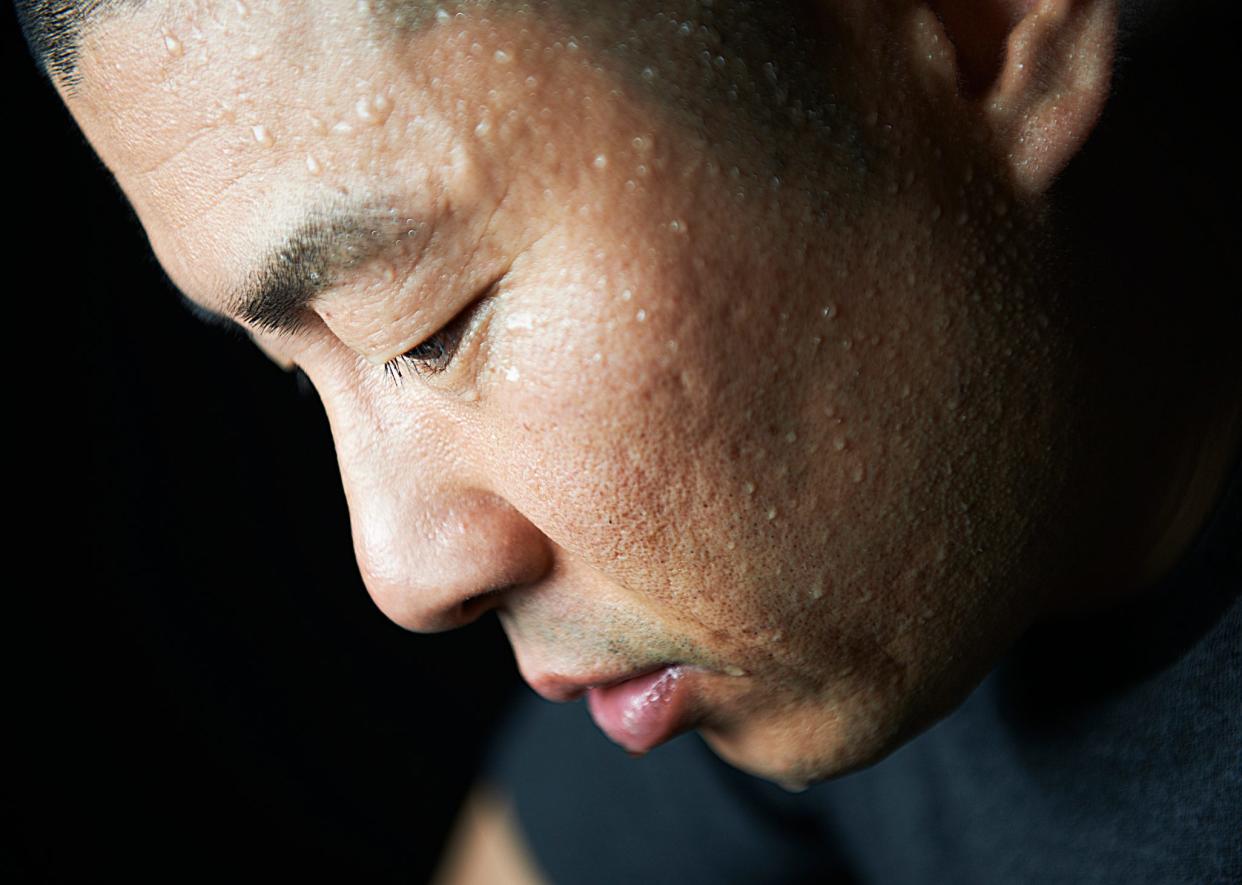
x=646 y=710
x=559 y=689
x=638 y=710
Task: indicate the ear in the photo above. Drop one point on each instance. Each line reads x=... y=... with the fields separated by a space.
x=1038 y=71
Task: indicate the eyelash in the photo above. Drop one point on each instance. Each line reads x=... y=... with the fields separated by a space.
x=431 y=357
x=435 y=354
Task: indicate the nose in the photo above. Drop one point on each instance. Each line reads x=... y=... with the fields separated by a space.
x=450 y=564
x=440 y=562
x=437 y=542
x=436 y=546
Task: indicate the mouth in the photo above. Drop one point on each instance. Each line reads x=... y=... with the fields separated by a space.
x=638 y=711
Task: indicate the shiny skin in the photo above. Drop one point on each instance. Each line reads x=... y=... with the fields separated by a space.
x=788 y=403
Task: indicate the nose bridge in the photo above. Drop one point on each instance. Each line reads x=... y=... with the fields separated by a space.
x=435 y=546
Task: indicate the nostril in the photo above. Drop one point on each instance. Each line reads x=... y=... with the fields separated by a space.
x=477 y=605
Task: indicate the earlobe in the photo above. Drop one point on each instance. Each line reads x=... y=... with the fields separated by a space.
x=1038 y=70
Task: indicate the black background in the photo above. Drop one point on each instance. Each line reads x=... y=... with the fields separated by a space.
x=199 y=685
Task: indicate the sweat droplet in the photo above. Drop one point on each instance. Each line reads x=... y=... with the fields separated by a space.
x=263 y=136
x=641 y=315
x=312 y=165
x=502 y=57
x=173 y=45
x=374 y=109
x=771 y=513
x=512 y=374
x=733 y=670
x=600 y=161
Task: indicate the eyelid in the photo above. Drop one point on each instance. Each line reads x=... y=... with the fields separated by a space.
x=457 y=330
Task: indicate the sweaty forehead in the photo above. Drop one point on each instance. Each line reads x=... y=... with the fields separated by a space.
x=153 y=78
x=692 y=60
x=223 y=122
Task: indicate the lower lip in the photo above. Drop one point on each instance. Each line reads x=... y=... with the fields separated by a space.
x=645 y=711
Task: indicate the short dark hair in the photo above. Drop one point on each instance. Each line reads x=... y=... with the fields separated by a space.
x=54 y=29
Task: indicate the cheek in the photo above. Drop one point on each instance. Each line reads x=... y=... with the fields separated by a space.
x=596 y=430
x=644 y=461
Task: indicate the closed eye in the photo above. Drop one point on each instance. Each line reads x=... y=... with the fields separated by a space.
x=435 y=353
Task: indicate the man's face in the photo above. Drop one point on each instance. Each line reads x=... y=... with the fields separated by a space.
x=754 y=396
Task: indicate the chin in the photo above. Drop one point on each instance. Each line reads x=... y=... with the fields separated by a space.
x=799 y=743
x=800 y=747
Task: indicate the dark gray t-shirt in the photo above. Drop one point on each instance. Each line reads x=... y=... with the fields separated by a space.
x=1108 y=749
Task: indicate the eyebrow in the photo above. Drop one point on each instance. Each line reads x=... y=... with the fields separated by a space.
x=326 y=243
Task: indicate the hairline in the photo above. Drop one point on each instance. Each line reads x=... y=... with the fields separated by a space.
x=54 y=31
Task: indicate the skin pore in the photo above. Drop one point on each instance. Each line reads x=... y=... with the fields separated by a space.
x=763 y=367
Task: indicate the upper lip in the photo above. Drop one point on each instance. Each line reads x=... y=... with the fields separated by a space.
x=558 y=688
